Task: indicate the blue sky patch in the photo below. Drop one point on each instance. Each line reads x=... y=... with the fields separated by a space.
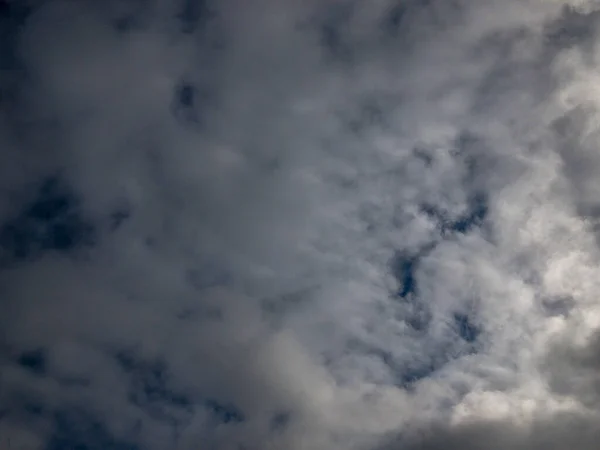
x=78 y=430
x=149 y=385
x=52 y=220
x=465 y=328
x=33 y=361
x=193 y=14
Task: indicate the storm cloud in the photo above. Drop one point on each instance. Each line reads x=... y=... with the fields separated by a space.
x=303 y=225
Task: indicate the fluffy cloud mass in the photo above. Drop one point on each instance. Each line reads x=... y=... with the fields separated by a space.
x=299 y=225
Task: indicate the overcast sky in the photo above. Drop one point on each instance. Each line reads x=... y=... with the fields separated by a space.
x=299 y=225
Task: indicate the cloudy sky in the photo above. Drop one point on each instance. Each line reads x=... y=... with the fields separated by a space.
x=299 y=224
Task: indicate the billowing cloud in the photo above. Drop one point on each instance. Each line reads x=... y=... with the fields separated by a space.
x=299 y=225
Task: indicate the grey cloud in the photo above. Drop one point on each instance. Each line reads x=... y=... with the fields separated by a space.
x=560 y=432
x=301 y=225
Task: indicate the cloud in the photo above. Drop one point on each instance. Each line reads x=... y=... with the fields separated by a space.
x=299 y=225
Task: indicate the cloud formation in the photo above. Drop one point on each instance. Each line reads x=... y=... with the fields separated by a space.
x=299 y=225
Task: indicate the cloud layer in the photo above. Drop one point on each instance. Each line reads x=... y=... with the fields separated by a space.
x=299 y=225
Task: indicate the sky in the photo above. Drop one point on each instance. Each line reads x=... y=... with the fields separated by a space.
x=299 y=225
